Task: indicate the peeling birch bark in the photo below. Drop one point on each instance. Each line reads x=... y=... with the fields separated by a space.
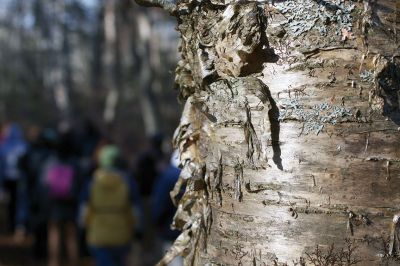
x=277 y=93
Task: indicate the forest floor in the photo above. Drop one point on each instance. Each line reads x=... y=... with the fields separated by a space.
x=19 y=252
x=13 y=252
x=16 y=254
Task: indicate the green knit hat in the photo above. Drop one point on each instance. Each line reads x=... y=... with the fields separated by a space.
x=108 y=155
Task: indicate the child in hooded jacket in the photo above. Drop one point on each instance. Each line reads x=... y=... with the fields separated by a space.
x=109 y=210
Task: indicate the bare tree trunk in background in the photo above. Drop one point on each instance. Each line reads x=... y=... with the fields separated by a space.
x=289 y=138
x=96 y=64
x=57 y=74
x=146 y=79
x=110 y=61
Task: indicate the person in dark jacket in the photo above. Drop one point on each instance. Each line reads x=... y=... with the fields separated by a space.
x=11 y=151
x=36 y=202
x=148 y=165
x=163 y=210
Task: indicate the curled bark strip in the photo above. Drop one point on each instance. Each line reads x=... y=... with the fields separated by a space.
x=356 y=220
x=238 y=180
x=218 y=181
x=310 y=53
x=386 y=94
x=350 y=225
x=177 y=190
x=394 y=244
x=177 y=248
x=253 y=144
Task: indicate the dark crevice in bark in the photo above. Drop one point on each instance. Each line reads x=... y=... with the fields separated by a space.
x=273 y=115
x=388 y=83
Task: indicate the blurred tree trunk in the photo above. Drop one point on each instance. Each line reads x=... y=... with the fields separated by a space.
x=289 y=138
x=96 y=64
x=110 y=61
x=147 y=78
x=97 y=39
x=58 y=72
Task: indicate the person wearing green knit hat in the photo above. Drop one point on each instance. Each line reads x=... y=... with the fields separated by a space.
x=108 y=155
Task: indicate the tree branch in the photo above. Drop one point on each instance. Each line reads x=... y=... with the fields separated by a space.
x=168 y=5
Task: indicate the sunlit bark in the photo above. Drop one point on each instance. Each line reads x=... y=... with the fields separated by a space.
x=289 y=139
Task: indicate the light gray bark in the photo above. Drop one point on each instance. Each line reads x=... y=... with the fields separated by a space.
x=289 y=138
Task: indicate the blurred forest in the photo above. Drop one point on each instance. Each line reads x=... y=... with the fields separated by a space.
x=105 y=60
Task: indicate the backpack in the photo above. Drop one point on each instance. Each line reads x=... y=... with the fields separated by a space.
x=60 y=179
x=110 y=217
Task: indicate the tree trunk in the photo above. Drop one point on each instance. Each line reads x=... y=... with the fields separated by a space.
x=58 y=72
x=110 y=61
x=289 y=138
x=148 y=104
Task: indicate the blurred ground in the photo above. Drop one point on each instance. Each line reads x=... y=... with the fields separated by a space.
x=12 y=252
x=19 y=253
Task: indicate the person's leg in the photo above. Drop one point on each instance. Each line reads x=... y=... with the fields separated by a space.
x=11 y=188
x=40 y=241
x=120 y=255
x=102 y=256
x=71 y=243
x=53 y=243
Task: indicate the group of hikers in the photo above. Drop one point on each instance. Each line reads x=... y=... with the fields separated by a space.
x=77 y=194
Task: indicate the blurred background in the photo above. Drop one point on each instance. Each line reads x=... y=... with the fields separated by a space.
x=79 y=79
x=107 y=60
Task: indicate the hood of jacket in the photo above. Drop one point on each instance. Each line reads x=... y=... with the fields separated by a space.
x=107 y=178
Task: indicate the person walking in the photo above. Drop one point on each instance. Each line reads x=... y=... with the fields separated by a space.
x=109 y=210
x=12 y=150
x=61 y=181
x=163 y=210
